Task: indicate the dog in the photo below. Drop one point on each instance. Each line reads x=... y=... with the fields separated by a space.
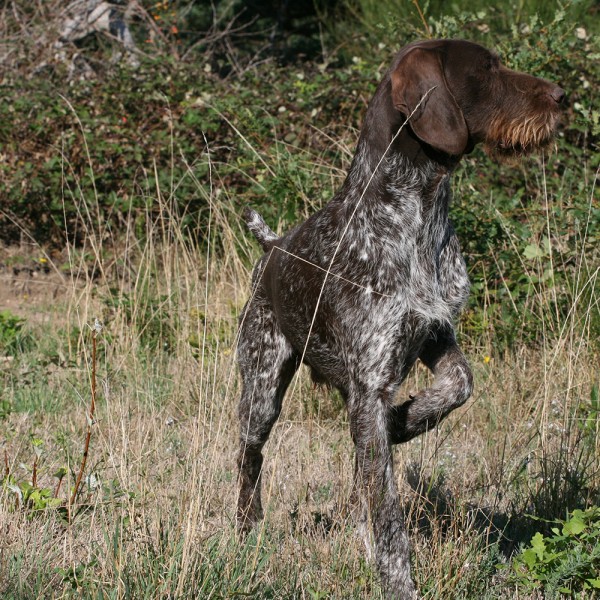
x=375 y=279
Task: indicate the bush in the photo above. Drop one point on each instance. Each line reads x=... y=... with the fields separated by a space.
x=566 y=562
x=12 y=336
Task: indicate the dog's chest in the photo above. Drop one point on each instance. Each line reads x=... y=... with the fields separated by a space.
x=403 y=254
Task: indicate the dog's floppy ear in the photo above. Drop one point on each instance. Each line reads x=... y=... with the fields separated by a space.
x=438 y=121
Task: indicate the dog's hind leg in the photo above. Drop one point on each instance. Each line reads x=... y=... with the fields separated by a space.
x=267 y=363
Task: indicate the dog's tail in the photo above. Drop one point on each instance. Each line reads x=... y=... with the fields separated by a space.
x=262 y=232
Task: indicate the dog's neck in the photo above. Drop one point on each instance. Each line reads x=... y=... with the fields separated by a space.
x=399 y=201
x=390 y=156
x=386 y=136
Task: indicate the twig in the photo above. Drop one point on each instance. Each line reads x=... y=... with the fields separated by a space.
x=90 y=421
x=144 y=15
x=34 y=472
x=57 y=489
x=416 y=3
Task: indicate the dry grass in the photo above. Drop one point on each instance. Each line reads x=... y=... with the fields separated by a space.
x=155 y=518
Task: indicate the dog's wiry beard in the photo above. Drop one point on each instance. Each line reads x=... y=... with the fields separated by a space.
x=507 y=141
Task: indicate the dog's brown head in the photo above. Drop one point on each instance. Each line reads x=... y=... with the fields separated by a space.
x=467 y=96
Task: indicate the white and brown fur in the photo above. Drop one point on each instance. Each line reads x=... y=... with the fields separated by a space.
x=374 y=280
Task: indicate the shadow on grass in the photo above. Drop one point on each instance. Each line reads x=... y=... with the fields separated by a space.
x=440 y=511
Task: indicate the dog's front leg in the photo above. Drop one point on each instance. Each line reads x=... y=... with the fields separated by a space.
x=452 y=386
x=377 y=496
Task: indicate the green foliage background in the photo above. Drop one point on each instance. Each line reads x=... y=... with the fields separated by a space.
x=265 y=124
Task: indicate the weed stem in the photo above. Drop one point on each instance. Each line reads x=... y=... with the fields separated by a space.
x=90 y=421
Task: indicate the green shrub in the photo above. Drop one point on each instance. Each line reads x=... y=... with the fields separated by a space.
x=566 y=562
x=12 y=336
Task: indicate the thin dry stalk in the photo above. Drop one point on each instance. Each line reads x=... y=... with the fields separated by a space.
x=90 y=420
x=422 y=16
x=34 y=472
x=58 y=486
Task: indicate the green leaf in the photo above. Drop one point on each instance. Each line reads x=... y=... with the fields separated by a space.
x=574 y=526
x=60 y=473
x=538 y=545
x=529 y=557
x=533 y=251
x=54 y=503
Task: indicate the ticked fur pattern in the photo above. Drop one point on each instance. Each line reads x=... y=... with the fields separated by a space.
x=374 y=281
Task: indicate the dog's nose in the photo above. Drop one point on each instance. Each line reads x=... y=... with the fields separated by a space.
x=558 y=94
